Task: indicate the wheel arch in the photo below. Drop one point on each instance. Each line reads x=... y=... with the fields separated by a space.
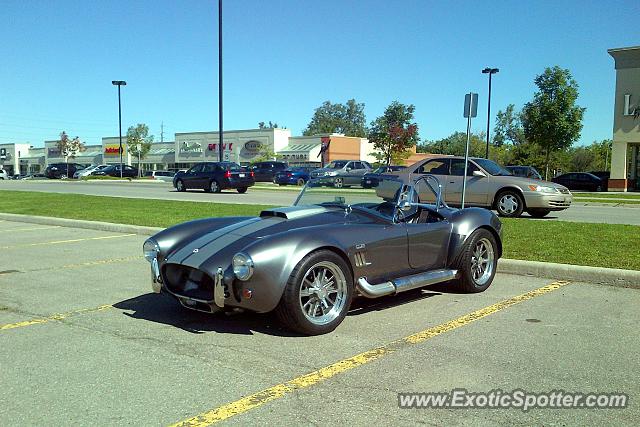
x=514 y=188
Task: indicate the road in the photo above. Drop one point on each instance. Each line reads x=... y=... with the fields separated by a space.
x=280 y=197
x=84 y=342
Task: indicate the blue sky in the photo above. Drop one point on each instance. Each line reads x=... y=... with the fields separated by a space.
x=283 y=58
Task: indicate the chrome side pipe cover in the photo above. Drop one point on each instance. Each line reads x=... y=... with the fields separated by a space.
x=403 y=284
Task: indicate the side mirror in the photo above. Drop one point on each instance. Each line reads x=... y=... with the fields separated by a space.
x=479 y=173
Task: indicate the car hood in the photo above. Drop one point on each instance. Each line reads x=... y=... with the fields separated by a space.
x=219 y=245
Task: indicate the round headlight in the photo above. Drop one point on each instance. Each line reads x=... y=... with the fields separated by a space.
x=242 y=266
x=150 y=249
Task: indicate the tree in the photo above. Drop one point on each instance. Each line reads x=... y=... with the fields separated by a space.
x=348 y=119
x=508 y=128
x=270 y=125
x=139 y=142
x=265 y=153
x=552 y=120
x=394 y=133
x=69 y=148
x=455 y=145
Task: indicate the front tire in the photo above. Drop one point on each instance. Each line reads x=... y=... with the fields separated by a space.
x=214 y=187
x=477 y=261
x=338 y=183
x=509 y=204
x=180 y=186
x=317 y=295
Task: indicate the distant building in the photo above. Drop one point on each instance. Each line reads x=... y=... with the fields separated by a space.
x=625 y=159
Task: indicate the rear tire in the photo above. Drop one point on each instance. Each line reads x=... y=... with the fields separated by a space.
x=538 y=213
x=477 y=261
x=509 y=204
x=300 y=182
x=317 y=295
x=242 y=190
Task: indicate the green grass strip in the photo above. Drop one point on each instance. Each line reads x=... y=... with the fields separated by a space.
x=599 y=245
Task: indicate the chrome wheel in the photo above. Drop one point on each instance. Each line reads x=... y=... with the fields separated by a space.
x=508 y=204
x=179 y=185
x=338 y=183
x=214 y=187
x=482 y=261
x=323 y=293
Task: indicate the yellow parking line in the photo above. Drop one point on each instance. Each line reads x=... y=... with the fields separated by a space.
x=255 y=400
x=58 y=316
x=57 y=242
x=30 y=228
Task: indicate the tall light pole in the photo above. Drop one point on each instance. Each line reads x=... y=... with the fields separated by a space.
x=119 y=83
x=489 y=71
x=220 y=137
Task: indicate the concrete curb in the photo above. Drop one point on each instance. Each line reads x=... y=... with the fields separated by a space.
x=578 y=273
x=76 y=223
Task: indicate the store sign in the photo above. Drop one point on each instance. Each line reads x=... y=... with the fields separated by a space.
x=190 y=147
x=252 y=146
x=3 y=153
x=295 y=156
x=225 y=147
x=114 y=149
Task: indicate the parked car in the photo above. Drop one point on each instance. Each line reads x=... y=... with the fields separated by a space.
x=114 y=170
x=87 y=171
x=580 y=181
x=524 y=171
x=491 y=186
x=62 y=170
x=292 y=176
x=307 y=261
x=266 y=171
x=159 y=175
x=604 y=176
x=214 y=177
x=3 y=174
x=342 y=173
x=370 y=179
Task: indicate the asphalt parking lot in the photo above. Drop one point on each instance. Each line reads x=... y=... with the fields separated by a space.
x=83 y=341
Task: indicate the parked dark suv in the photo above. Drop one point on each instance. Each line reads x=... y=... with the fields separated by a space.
x=580 y=181
x=114 y=170
x=266 y=171
x=59 y=170
x=214 y=177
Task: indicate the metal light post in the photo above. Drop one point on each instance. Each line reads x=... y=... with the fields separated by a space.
x=489 y=71
x=220 y=136
x=119 y=83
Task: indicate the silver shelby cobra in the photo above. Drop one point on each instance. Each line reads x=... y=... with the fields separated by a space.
x=309 y=260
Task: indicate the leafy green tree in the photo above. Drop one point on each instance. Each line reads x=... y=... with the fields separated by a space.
x=139 y=142
x=552 y=120
x=394 y=133
x=270 y=125
x=69 y=148
x=348 y=119
x=455 y=145
x=265 y=153
x=508 y=128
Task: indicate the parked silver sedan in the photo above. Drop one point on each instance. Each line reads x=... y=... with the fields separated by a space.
x=492 y=186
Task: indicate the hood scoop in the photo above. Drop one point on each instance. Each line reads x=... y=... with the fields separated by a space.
x=292 y=212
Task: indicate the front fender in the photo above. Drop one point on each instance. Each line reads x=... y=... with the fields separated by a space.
x=274 y=260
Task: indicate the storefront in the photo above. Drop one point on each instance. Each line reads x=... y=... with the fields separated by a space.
x=10 y=157
x=111 y=151
x=625 y=154
x=240 y=146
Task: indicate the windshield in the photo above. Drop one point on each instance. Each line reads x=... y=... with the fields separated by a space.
x=492 y=167
x=336 y=165
x=381 y=199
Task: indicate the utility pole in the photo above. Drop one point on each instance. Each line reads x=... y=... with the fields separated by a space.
x=220 y=136
x=161 y=132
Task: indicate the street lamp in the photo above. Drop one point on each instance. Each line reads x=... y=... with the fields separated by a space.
x=489 y=71
x=119 y=83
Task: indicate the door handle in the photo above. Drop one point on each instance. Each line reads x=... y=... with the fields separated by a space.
x=452 y=182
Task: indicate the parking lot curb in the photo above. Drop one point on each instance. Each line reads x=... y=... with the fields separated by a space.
x=578 y=273
x=76 y=223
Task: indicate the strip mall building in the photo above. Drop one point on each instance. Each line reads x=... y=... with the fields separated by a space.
x=625 y=158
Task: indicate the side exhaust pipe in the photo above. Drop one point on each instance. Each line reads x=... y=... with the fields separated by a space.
x=403 y=284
